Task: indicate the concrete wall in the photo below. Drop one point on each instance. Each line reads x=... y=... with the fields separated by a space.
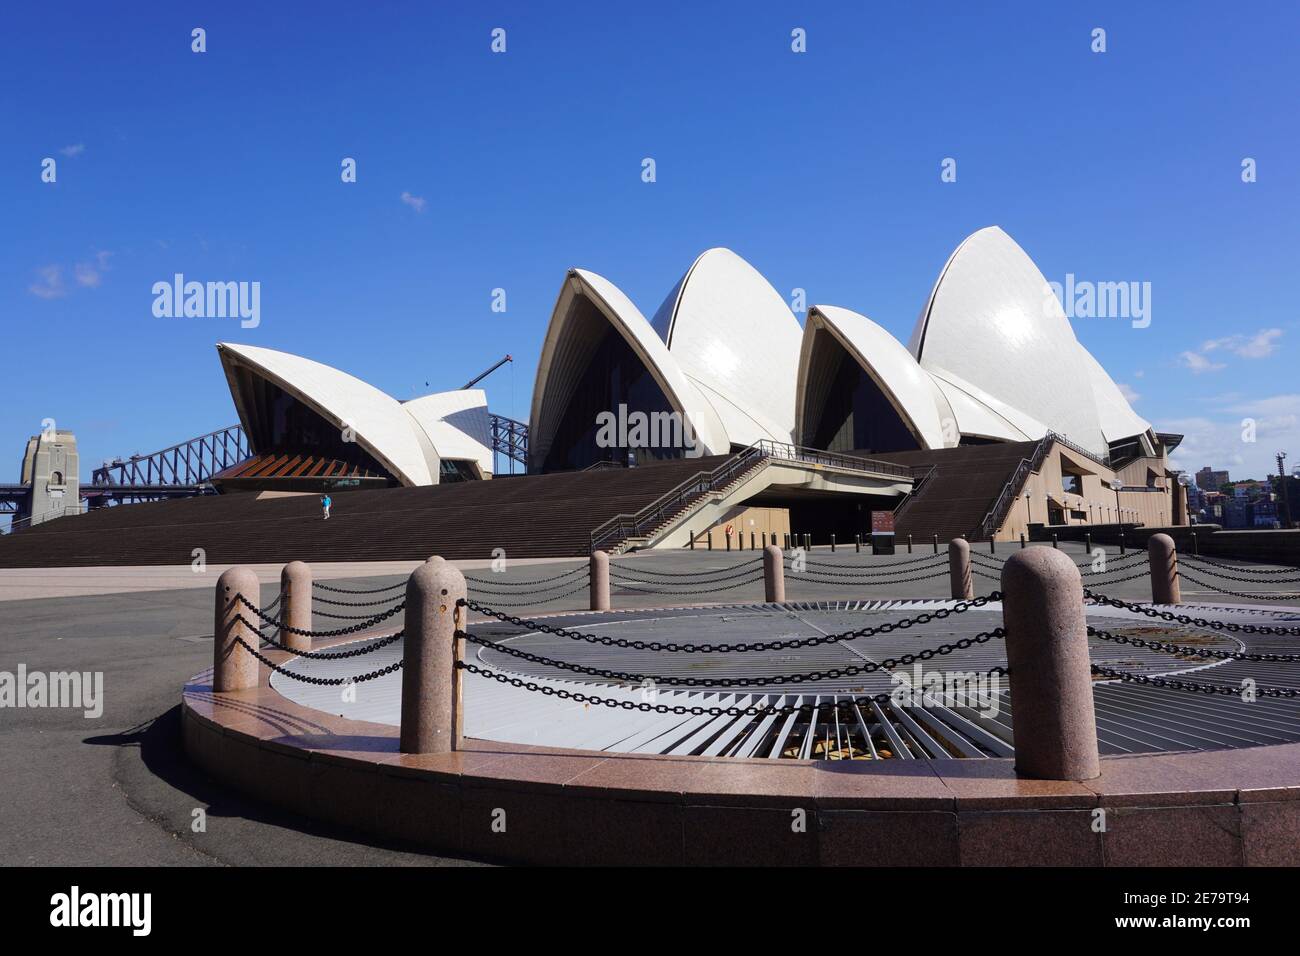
x=744 y=520
x=1096 y=503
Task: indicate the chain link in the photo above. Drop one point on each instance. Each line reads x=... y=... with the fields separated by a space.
x=676 y=591
x=807 y=710
x=1195 y=621
x=1175 y=684
x=1242 y=594
x=659 y=647
x=553 y=597
x=329 y=655
x=519 y=584
x=355 y=628
x=1195 y=559
x=1202 y=652
x=321 y=681
x=835 y=673
x=391 y=587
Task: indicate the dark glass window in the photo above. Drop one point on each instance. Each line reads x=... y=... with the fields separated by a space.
x=614 y=376
x=858 y=416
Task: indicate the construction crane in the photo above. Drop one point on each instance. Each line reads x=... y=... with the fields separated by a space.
x=482 y=375
x=509 y=437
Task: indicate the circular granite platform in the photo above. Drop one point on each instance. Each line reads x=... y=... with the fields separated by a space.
x=520 y=789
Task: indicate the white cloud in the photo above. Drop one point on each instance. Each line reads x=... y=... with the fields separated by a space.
x=50 y=285
x=1128 y=391
x=415 y=202
x=74 y=150
x=1260 y=345
x=91 y=274
x=1199 y=363
x=1220 y=443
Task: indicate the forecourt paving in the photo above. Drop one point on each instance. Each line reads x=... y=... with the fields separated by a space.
x=117 y=790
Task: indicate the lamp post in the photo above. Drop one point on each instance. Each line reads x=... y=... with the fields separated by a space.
x=1116 y=485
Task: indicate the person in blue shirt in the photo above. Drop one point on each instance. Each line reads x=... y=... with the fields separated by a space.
x=325 y=503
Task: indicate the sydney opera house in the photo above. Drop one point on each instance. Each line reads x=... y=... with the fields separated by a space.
x=993 y=421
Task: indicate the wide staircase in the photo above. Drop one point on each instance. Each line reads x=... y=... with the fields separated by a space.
x=952 y=499
x=527 y=516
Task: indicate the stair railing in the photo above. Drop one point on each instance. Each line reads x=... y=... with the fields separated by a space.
x=623 y=526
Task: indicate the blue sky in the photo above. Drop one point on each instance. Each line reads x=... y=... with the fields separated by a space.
x=821 y=168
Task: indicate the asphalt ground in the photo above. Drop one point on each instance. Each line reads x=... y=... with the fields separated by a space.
x=117 y=789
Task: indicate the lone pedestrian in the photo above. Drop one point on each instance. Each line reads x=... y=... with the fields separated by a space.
x=325 y=503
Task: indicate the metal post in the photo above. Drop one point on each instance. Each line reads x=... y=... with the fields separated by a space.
x=1196 y=545
x=1054 y=541
x=692 y=534
x=233 y=667
x=959 y=572
x=1121 y=542
x=1087 y=541
x=1053 y=722
x=909 y=544
x=752 y=539
x=727 y=538
x=832 y=542
x=598 y=583
x=1163 y=557
x=1022 y=541
x=431 y=685
x=993 y=547
x=710 y=536
x=936 y=544
x=295 y=605
x=773 y=575
x=857 y=544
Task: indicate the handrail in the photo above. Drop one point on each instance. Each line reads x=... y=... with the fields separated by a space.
x=623 y=526
x=19 y=524
x=997 y=514
x=789 y=452
x=917 y=485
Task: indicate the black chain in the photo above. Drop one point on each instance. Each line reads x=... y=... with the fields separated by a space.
x=1241 y=594
x=676 y=591
x=1196 y=558
x=864 y=576
x=518 y=584
x=844 y=706
x=553 y=597
x=342 y=617
x=322 y=681
x=330 y=655
x=813 y=577
x=391 y=587
x=1132 y=577
x=893 y=564
x=1173 y=684
x=659 y=647
x=322 y=600
x=1196 y=621
x=1202 y=652
x=834 y=673
x=739 y=568
x=542 y=590
x=305 y=633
